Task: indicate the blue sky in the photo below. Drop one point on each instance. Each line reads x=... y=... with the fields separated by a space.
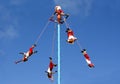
x=95 y=23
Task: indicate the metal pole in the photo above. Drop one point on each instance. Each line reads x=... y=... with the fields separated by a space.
x=59 y=54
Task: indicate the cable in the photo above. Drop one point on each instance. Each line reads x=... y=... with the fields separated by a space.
x=66 y=24
x=53 y=40
x=42 y=32
x=79 y=45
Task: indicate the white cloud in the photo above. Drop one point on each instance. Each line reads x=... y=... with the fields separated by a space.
x=75 y=6
x=8 y=24
x=17 y=2
x=88 y=6
x=8 y=33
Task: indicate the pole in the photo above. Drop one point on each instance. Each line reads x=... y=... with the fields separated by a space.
x=59 y=54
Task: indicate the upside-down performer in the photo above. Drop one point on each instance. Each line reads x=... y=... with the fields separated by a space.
x=50 y=68
x=87 y=58
x=59 y=12
x=71 y=39
x=27 y=54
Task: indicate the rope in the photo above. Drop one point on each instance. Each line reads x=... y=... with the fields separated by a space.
x=66 y=24
x=53 y=40
x=79 y=45
x=42 y=32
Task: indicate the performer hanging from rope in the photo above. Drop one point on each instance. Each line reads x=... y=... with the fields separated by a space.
x=71 y=38
x=59 y=12
x=27 y=54
x=87 y=58
x=50 y=68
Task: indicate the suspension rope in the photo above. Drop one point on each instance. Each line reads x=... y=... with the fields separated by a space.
x=42 y=32
x=53 y=40
x=66 y=24
x=78 y=43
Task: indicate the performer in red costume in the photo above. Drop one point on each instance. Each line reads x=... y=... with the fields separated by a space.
x=59 y=12
x=27 y=54
x=87 y=58
x=50 y=68
x=70 y=35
